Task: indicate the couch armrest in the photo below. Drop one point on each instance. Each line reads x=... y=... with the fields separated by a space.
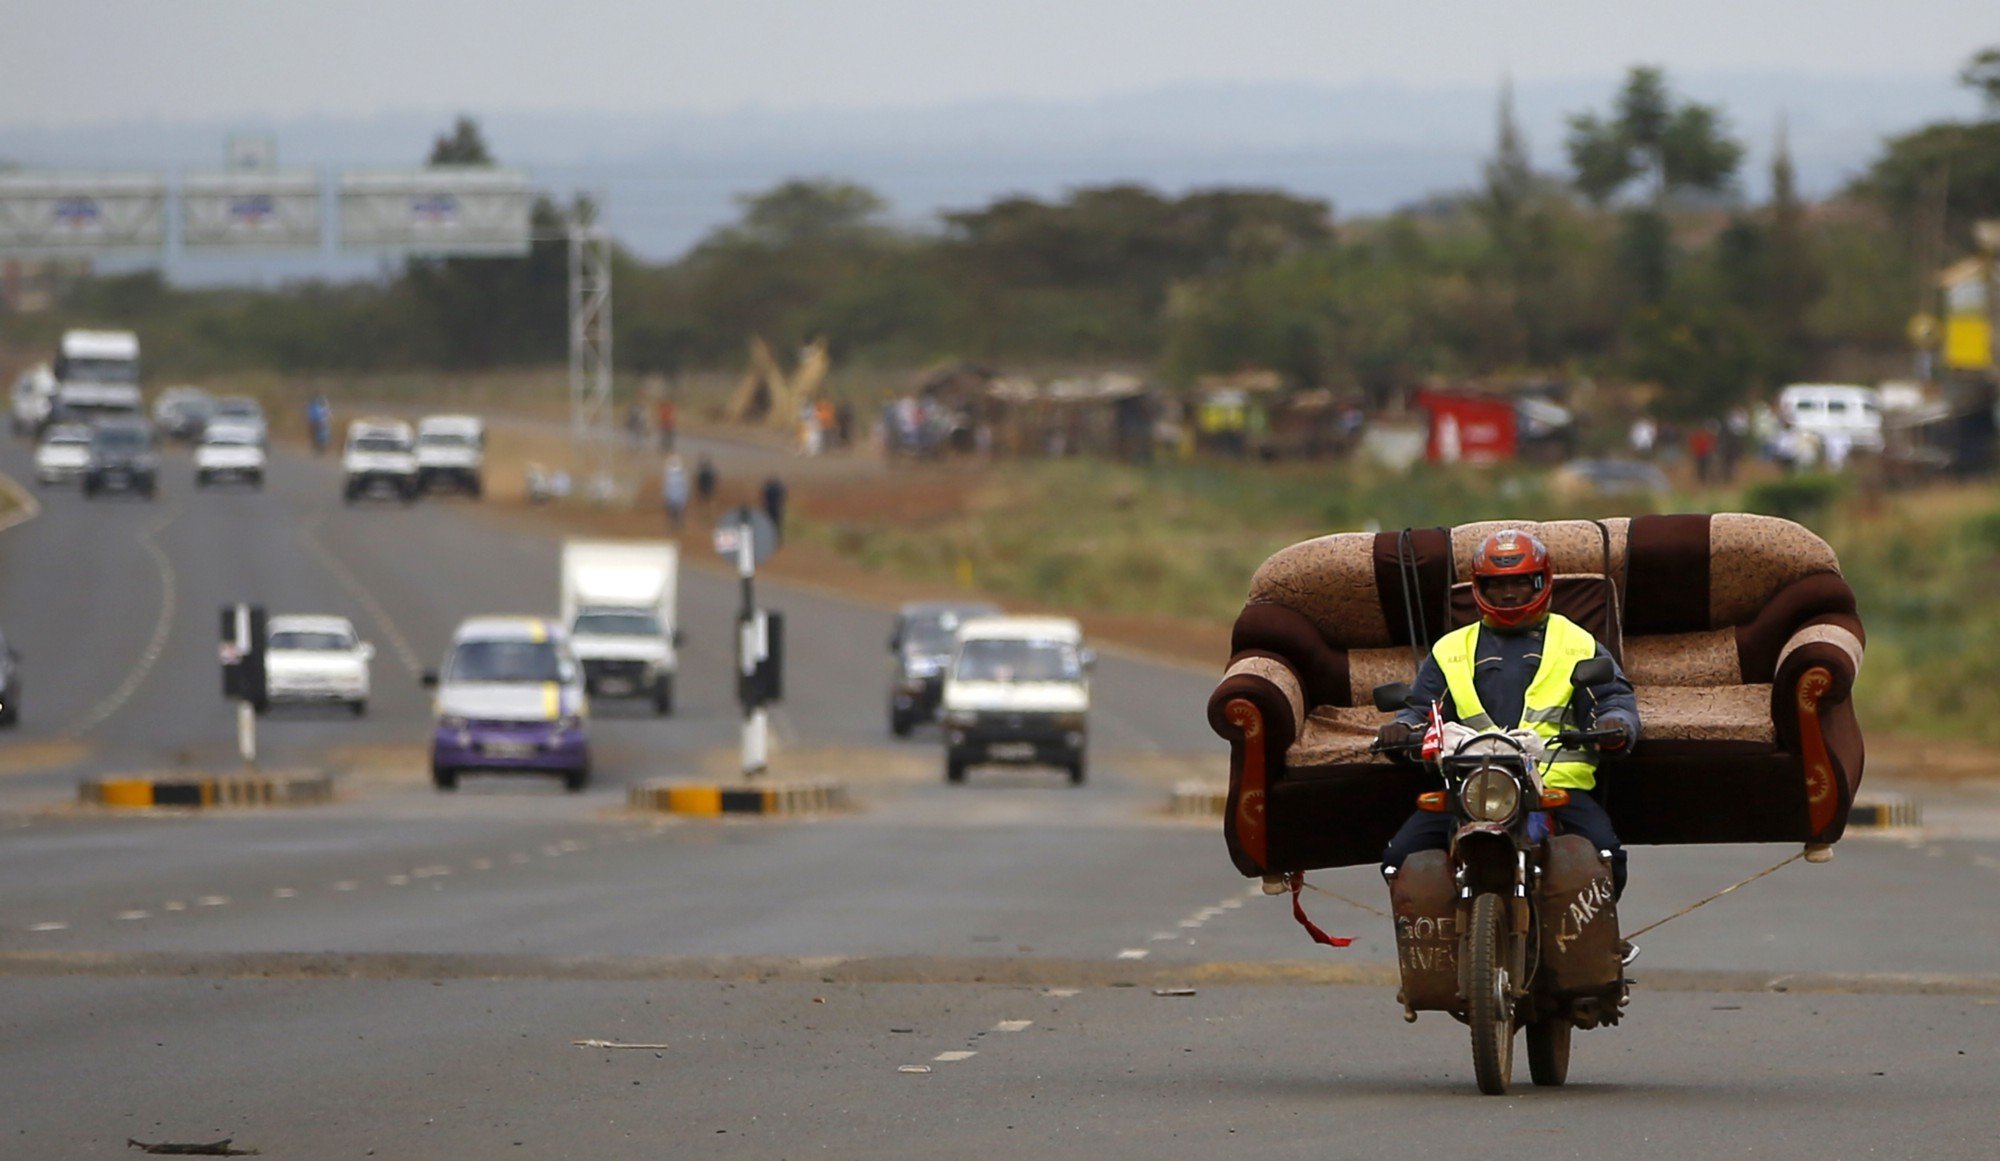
x=1259 y=707
x=1811 y=711
x=1269 y=683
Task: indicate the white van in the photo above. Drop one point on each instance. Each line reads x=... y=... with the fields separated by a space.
x=1017 y=690
x=34 y=399
x=1842 y=410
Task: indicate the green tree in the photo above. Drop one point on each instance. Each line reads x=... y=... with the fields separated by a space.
x=1676 y=146
x=1982 y=73
x=463 y=145
x=1946 y=165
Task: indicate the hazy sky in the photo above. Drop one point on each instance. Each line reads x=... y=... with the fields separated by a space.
x=66 y=62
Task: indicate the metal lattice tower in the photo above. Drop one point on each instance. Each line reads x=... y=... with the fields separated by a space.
x=590 y=411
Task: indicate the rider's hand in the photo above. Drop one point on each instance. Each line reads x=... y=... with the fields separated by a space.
x=1624 y=737
x=1393 y=734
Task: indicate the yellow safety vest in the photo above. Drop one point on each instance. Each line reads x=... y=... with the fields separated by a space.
x=1545 y=710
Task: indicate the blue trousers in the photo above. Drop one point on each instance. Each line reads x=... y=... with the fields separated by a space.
x=1429 y=831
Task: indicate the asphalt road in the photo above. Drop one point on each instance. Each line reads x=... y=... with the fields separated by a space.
x=405 y=974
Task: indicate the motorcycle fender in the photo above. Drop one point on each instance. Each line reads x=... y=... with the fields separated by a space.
x=1579 y=920
x=1425 y=905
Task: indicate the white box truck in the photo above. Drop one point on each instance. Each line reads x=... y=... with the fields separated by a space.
x=619 y=602
x=97 y=373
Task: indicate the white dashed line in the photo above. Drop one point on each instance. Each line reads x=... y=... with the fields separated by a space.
x=1062 y=993
x=398 y=880
x=397 y=642
x=54 y=925
x=129 y=916
x=162 y=626
x=346 y=885
x=553 y=852
x=482 y=864
x=954 y=1057
x=1133 y=953
x=283 y=893
x=1012 y=1025
x=429 y=872
x=212 y=901
x=1162 y=936
x=1190 y=923
x=174 y=905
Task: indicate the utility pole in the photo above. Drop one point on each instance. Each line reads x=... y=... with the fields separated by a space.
x=590 y=408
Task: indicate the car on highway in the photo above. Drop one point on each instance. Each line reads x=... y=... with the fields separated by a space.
x=1017 y=691
x=182 y=412
x=123 y=456
x=510 y=700
x=316 y=659
x=229 y=452
x=10 y=685
x=34 y=398
x=63 y=454
x=241 y=411
x=451 y=453
x=921 y=645
x=380 y=458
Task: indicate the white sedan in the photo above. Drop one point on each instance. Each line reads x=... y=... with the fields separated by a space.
x=63 y=454
x=316 y=659
x=229 y=452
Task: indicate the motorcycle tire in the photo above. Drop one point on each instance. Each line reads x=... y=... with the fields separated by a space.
x=1490 y=1009
x=1548 y=1051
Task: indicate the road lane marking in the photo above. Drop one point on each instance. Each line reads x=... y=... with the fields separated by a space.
x=346 y=885
x=482 y=864
x=212 y=901
x=430 y=872
x=398 y=644
x=52 y=925
x=398 y=880
x=1013 y=1025
x=954 y=1057
x=163 y=626
x=26 y=507
x=1133 y=953
x=1062 y=993
x=174 y=905
x=1162 y=936
x=283 y=893
x=135 y=913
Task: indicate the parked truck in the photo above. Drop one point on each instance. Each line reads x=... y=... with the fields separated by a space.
x=619 y=602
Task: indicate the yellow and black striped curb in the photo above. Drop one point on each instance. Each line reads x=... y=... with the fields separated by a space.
x=240 y=790
x=1199 y=799
x=772 y=798
x=1884 y=812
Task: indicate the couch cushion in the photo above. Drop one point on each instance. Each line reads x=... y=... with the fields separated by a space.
x=1698 y=713
x=1707 y=658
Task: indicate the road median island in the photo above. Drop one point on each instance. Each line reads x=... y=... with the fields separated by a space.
x=818 y=796
x=1884 y=812
x=1199 y=799
x=184 y=791
x=17 y=504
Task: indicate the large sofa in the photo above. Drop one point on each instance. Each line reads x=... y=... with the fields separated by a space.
x=1737 y=631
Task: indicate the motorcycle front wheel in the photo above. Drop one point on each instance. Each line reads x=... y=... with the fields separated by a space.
x=1490 y=1006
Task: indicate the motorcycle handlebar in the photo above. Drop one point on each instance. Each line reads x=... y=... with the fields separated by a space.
x=1570 y=738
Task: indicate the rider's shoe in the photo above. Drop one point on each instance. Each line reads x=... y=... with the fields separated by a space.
x=1627 y=952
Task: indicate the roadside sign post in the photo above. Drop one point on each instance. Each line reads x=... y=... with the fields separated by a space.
x=748 y=537
x=243 y=675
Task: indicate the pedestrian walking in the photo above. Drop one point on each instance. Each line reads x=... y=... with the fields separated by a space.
x=674 y=491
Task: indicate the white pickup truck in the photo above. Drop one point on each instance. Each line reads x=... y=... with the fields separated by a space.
x=451 y=453
x=380 y=456
x=619 y=603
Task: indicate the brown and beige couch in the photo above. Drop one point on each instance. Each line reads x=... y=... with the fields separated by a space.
x=1737 y=632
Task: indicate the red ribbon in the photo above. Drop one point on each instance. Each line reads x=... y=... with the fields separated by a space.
x=1297 y=879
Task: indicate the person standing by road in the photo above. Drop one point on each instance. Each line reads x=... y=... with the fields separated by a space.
x=665 y=420
x=674 y=491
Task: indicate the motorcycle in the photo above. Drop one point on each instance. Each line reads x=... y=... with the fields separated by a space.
x=1511 y=927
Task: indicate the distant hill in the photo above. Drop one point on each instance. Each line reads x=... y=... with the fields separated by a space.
x=669 y=178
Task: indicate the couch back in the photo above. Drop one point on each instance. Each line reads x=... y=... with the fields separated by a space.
x=1682 y=600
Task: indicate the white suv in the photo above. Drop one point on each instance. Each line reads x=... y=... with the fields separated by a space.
x=380 y=457
x=316 y=659
x=229 y=451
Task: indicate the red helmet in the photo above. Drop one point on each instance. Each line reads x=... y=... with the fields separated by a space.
x=1511 y=552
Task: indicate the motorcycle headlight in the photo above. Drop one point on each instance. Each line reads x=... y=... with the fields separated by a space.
x=1490 y=795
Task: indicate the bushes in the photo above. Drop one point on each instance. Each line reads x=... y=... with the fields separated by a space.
x=1805 y=497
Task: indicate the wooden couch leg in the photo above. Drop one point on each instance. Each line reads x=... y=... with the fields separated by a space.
x=1251 y=777
x=1822 y=797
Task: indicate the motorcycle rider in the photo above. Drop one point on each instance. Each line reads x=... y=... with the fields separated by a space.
x=1512 y=668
